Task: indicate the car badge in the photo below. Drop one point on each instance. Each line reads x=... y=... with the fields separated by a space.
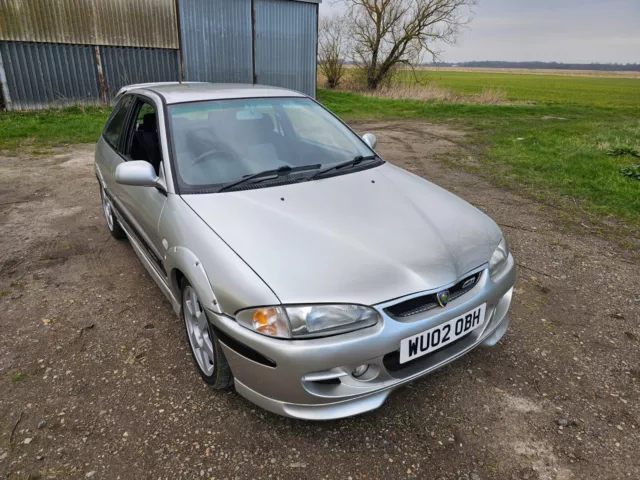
x=469 y=282
x=443 y=298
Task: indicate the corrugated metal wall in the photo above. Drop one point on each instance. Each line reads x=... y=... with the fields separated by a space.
x=40 y=75
x=216 y=40
x=123 y=66
x=285 y=46
x=132 y=23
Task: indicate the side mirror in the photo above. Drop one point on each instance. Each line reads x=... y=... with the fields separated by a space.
x=137 y=173
x=370 y=139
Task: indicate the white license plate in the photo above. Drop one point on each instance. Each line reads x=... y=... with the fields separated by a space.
x=442 y=335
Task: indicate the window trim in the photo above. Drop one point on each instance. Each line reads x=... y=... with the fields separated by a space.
x=132 y=119
x=118 y=146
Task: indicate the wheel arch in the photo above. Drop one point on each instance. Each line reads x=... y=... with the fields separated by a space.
x=182 y=263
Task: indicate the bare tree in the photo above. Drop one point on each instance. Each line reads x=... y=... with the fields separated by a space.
x=332 y=48
x=388 y=33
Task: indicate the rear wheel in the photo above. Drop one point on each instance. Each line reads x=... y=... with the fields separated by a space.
x=112 y=222
x=205 y=348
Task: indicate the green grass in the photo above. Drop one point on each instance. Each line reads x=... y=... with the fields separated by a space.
x=547 y=89
x=554 y=160
x=32 y=131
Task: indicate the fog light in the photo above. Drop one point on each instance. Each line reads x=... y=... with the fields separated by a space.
x=359 y=371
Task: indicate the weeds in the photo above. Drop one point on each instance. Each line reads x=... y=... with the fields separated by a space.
x=633 y=171
x=433 y=93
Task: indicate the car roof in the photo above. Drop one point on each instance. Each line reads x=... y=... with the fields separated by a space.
x=180 y=92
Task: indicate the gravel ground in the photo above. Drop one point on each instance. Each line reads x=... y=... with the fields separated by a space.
x=96 y=380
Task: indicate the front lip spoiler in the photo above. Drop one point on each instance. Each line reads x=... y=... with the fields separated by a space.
x=326 y=411
x=366 y=402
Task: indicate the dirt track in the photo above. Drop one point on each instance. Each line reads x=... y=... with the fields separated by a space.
x=89 y=345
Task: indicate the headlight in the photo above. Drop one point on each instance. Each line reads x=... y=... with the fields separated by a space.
x=271 y=321
x=499 y=258
x=329 y=319
x=300 y=321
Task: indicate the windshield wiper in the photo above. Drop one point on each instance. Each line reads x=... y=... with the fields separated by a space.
x=349 y=163
x=278 y=172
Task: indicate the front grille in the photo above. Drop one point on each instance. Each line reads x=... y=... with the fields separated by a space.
x=424 y=303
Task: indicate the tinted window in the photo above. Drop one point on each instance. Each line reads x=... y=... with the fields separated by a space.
x=114 y=127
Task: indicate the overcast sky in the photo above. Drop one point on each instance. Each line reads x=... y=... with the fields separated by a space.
x=571 y=31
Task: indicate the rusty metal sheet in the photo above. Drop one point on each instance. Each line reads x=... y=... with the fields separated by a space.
x=132 y=23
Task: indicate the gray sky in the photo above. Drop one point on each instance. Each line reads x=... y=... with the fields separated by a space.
x=572 y=31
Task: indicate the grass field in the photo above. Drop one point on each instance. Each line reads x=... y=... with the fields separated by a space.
x=538 y=71
x=554 y=144
x=547 y=89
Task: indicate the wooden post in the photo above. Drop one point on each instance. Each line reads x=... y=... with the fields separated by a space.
x=253 y=42
x=5 y=96
x=102 y=84
x=178 y=21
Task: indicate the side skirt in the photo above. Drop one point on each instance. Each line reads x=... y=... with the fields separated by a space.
x=149 y=264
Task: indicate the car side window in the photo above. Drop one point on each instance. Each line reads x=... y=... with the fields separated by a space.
x=115 y=126
x=143 y=142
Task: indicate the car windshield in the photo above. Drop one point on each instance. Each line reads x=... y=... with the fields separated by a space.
x=223 y=141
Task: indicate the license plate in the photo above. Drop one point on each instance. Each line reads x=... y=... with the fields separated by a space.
x=442 y=335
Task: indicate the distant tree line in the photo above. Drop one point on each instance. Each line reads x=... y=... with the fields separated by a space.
x=608 y=67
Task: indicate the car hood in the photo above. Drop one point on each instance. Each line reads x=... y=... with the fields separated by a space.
x=364 y=237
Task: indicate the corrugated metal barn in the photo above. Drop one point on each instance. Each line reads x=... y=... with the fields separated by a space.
x=59 y=52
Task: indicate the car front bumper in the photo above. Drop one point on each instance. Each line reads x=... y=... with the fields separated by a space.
x=311 y=379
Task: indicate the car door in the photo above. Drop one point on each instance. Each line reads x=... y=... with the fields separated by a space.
x=143 y=205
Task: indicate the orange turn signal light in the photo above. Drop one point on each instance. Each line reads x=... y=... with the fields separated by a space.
x=264 y=317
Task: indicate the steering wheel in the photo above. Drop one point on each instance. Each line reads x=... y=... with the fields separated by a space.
x=218 y=150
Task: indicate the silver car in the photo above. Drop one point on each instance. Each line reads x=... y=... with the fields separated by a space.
x=309 y=273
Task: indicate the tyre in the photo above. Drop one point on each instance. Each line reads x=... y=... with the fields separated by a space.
x=205 y=347
x=112 y=222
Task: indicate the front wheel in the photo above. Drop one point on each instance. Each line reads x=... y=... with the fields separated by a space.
x=112 y=222
x=205 y=347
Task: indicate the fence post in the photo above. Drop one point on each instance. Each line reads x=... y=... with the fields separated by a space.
x=179 y=32
x=254 y=79
x=4 y=87
x=104 y=91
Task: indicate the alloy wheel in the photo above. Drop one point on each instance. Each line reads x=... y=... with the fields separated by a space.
x=108 y=213
x=198 y=331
